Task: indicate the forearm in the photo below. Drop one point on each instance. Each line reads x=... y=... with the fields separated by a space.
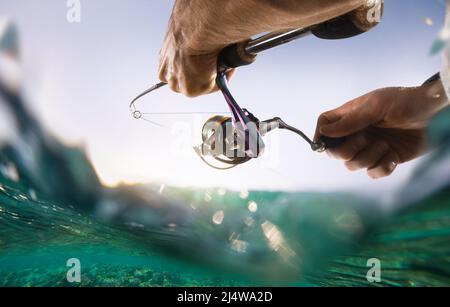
x=213 y=24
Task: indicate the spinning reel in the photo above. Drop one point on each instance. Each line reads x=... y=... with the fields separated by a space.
x=237 y=139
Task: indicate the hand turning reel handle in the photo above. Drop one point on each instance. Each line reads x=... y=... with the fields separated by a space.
x=235 y=140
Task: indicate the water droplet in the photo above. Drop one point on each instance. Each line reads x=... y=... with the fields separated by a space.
x=161 y=188
x=221 y=192
x=239 y=245
x=276 y=241
x=218 y=217
x=9 y=170
x=22 y=197
x=207 y=198
x=273 y=235
x=252 y=206
x=244 y=194
x=32 y=194
x=428 y=21
x=134 y=225
x=249 y=221
x=350 y=222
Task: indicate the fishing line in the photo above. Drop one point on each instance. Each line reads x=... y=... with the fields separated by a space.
x=137 y=114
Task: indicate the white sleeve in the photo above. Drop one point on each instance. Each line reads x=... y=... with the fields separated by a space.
x=445 y=71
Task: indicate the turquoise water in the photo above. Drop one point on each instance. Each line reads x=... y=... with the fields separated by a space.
x=53 y=208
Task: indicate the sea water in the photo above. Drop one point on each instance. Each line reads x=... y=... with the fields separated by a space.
x=53 y=209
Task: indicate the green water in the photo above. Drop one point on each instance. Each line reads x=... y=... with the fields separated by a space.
x=318 y=248
x=53 y=208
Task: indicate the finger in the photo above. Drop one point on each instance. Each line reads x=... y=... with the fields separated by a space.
x=162 y=72
x=351 y=122
x=174 y=85
x=385 y=167
x=368 y=157
x=351 y=117
x=325 y=119
x=197 y=88
x=351 y=147
x=197 y=76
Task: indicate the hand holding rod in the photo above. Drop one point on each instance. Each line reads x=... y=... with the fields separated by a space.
x=240 y=54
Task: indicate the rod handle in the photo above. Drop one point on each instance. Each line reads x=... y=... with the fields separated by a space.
x=348 y=25
x=234 y=56
x=351 y=24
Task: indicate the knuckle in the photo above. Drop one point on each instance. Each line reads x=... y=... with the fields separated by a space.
x=191 y=94
x=190 y=90
x=162 y=71
x=352 y=165
x=206 y=87
x=195 y=90
x=324 y=118
x=173 y=84
x=335 y=154
x=162 y=76
x=387 y=168
x=345 y=155
x=377 y=174
x=381 y=171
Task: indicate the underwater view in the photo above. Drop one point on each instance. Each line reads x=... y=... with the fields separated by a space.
x=53 y=208
x=56 y=211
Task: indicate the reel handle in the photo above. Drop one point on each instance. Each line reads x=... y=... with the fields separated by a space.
x=326 y=142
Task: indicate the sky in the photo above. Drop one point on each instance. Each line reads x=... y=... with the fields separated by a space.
x=80 y=78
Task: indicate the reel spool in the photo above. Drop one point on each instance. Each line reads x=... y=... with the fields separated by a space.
x=225 y=143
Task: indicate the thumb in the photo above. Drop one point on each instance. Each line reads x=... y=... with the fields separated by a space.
x=346 y=121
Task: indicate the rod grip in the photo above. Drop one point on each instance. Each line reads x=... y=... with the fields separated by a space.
x=351 y=24
x=234 y=56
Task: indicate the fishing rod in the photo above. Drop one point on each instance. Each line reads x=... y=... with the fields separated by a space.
x=235 y=140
